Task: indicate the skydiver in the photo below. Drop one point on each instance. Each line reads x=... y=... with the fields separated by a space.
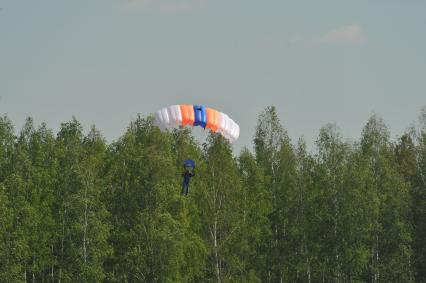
x=186 y=178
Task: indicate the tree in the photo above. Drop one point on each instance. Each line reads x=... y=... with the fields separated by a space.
x=256 y=232
x=304 y=215
x=220 y=211
x=82 y=230
x=7 y=143
x=39 y=177
x=419 y=200
x=10 y=246
x=10 y=269
x=329 y=202
x=390 y=237
x=276 y=156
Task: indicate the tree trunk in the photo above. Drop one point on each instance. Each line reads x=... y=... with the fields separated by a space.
x=377 y=275
x=52 y=268
x=62 y=246
x=85 y=226
x=216 y=250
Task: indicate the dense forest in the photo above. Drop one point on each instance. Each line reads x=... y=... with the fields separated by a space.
x=74 y=208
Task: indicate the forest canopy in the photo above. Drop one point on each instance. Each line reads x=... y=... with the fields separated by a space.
x=74 y=208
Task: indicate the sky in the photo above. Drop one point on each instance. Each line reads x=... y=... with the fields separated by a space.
x=318 y=62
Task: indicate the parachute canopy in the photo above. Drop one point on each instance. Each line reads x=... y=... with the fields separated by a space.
x=197 y=115
x=189 y=163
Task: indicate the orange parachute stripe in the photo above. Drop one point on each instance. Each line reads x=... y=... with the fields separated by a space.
x=212 y=119
x=188 y=116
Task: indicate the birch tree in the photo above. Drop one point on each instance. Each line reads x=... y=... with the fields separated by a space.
x=220 y=211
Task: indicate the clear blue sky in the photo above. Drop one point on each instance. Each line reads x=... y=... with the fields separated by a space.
x=105 y=61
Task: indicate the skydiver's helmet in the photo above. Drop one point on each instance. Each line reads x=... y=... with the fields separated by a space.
x=189 y=165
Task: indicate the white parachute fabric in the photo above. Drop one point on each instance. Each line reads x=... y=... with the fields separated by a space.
x=168 y=117
x=162 y=118
x=175 y=117
x=228 y=128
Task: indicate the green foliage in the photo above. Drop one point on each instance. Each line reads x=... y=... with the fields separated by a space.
x=418 y=208
x=256 y=205
x=75 y=209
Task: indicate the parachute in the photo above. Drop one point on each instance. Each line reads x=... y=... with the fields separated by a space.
x=197 y=115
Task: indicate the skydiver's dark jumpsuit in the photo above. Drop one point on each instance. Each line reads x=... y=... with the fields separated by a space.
x=186 y=178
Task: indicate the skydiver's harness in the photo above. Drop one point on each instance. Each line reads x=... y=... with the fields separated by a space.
x=187 y=175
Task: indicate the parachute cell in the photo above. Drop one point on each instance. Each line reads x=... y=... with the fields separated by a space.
x=212 y=119
x=197 y=115
x=187 y=115
x=200 y=116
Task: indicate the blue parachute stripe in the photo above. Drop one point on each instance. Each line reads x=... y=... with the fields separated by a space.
x=200 y=116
